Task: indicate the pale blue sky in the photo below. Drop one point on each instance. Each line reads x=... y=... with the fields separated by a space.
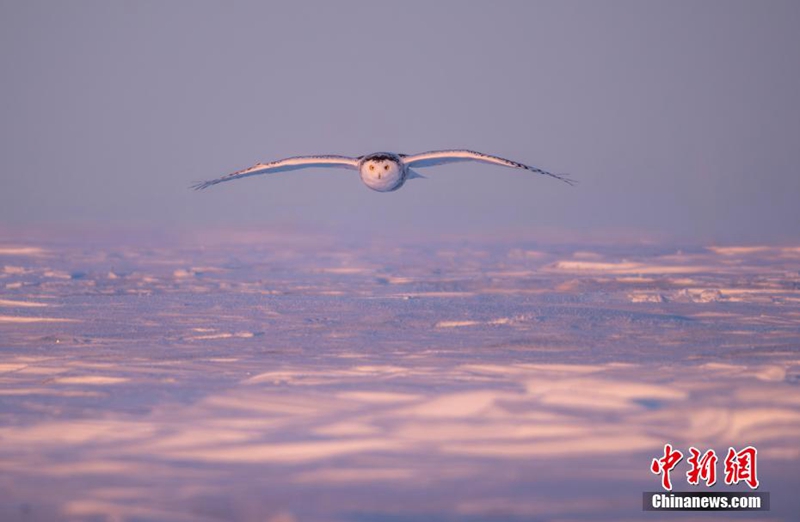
x=679 y=119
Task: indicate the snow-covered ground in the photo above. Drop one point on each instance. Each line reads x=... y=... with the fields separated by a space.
x=289 y=378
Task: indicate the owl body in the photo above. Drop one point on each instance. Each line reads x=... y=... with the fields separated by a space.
x=380 y=171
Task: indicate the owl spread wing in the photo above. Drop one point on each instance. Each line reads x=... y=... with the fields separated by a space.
x=442 y=157
x=285 y=165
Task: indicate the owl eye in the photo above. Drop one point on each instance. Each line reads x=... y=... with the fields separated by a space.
x=386 y=167
x=372 y=167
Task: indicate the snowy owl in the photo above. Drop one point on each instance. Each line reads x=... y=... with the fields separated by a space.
x=381 y=171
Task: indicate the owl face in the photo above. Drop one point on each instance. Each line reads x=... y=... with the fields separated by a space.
x=382 y=172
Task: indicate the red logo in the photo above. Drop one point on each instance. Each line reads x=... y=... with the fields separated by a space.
x=739 y=466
